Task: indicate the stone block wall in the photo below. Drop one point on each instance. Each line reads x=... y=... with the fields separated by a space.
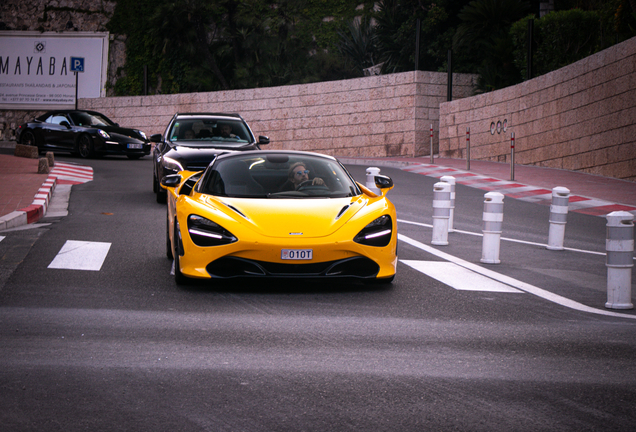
x=581 y=118
x=386 y=115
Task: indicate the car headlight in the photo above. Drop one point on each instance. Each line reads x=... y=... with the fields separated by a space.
x=204 y=232
x=172 y=164
x=377 y=233
x=103 y=134
x=142 y=134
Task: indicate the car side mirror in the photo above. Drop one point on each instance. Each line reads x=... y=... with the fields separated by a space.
x=170 y=181
x=66 y=124
x=263 y=139
x=383 y=182
x=155 y=138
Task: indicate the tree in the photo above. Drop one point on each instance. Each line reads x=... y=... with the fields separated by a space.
x=484 y=37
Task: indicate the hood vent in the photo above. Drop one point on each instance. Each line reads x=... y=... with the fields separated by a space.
x=236 y=210
x=342 y=211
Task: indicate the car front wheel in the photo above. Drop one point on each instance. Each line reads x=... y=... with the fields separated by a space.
x=85 y=146
x=179 y=278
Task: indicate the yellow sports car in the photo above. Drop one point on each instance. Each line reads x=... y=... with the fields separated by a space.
x=279 y=214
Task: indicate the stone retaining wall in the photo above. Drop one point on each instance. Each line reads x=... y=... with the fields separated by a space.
x=581 y=118
x=386 y=115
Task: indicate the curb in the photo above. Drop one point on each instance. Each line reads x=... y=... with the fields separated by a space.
x=512 y=189
x=33 y=212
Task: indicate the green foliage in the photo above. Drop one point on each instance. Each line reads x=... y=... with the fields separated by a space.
x=202 y=45
x=483 y=39
x=358 y=44
x=207 y=45
x=560 y=38
x=396 y=32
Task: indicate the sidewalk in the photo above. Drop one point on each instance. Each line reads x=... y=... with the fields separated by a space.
x=24 y=194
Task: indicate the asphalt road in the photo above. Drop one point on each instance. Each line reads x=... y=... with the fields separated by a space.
x=124 y=348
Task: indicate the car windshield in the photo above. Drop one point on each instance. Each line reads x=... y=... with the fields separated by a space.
x=211 y=131
x=278 y=175
x=88 y=119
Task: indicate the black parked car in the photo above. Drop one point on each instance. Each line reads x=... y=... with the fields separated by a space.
x=192 y=140
x=87 y=133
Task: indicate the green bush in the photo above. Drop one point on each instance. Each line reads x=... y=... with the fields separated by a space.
x=560 y=38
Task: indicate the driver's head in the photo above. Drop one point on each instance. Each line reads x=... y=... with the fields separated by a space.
x=298 y=173
x=226 y=130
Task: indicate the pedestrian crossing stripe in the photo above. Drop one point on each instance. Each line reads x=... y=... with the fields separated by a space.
x=458 y=277
x=81 y=255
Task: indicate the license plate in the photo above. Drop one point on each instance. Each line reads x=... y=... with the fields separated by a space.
x=297 y=254
x=135 y=146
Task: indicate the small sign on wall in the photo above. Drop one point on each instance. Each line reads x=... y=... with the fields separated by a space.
x=499 y=127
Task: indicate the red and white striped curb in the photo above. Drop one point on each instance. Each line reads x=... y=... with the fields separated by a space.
x=62 y=173
x=72 y=174
x=577 y=203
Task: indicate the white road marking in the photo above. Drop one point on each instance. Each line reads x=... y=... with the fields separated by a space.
x=1 y=238
x=81 y=255
x=458 y=277
x=526 y=287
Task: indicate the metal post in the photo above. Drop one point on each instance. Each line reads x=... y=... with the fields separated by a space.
x=451 y=181
x=145 y=80
x=418 y=27
x=512 y=156
x=441 y=213
x=620 y=251
x=492 y=224
x=467 y=149
x=76 y=81
x=529 y=53
x=432 y=157
x=558 y=217
x=449 y=88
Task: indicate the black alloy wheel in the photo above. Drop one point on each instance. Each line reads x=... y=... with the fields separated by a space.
x=85 y=146
x=29 y=138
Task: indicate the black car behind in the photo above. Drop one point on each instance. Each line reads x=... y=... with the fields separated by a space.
x=192 y=140
x=86 y=133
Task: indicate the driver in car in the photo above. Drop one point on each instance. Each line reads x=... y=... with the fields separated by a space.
x=299 y=174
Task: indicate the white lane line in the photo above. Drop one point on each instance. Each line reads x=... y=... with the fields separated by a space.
x=1 y=238
x=530 y=289
x=81 y=255
x=459 y=278
x=506 y=239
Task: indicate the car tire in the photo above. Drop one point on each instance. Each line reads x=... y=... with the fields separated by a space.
x=179 y=278
x=85 y=146
x=29 y=139
x=155 y=185
x=169 y=253
x=162 y=194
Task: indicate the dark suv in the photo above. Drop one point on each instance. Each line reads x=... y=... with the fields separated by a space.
x=192 y=140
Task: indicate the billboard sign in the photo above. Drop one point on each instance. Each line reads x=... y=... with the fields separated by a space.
x=37 y=70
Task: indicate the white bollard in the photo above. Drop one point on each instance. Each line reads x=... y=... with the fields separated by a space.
x=558 y=217
x=451 y=181
x=620 y=252
x=371 y=173
x=493 y=221
x=441 y=213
